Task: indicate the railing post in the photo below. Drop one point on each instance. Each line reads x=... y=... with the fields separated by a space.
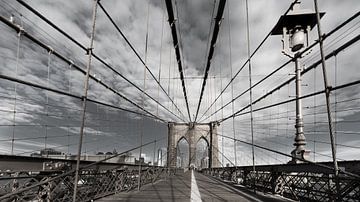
x=246 y=173
x=274 y=181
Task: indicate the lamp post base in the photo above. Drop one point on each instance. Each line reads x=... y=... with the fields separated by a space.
x=297 y=156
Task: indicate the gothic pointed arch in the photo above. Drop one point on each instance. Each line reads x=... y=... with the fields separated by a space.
x=192 y=132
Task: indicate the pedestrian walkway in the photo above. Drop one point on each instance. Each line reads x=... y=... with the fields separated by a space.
x=188 y=186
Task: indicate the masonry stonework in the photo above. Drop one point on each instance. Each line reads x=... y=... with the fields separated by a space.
x=192 y=133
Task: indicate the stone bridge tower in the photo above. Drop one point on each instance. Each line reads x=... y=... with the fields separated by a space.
x=192 y=133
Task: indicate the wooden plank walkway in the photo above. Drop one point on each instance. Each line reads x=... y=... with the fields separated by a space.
x=181 y=187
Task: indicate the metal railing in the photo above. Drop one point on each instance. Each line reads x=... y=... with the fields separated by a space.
x=301 y=182
x=58 y=185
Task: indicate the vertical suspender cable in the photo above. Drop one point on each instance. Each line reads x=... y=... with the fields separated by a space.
x=250 y=87
x=315 y=114
x=90 y=50
x=98 y=126
x=214 y=89
x=277 y=123
x=211 y=81
x=154 y=153
x=160 y=63
x=232 y=84
x=15 y=90
x=169 y=74
x=173 y=88
x=335 y=106
x=327 y=95
x=143 y=97
x=222 y=101
x=208 y=94
x=47 y=98
x=68 y=125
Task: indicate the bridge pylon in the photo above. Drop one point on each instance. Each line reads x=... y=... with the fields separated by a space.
x=192 y=133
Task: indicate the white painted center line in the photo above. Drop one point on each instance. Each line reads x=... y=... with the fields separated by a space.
x=195 y=194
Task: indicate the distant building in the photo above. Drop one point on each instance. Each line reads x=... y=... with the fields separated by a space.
x=49 y=151
x=46 y=152
x=204 y=162
x=141 y=161
x=35 y=155
x=179 y=162
x=161 y=157
x=125 y=158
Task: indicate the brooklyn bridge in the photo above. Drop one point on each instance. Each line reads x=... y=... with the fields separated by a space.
x=168 y=100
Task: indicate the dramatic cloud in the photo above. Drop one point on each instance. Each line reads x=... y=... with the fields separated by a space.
x=55 y=119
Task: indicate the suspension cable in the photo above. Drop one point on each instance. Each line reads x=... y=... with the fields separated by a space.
x=357 y=82
x=327 y=88
x=93 y=54
x=241 y=68
x=176 y=44
x=84 y=103
x=289 y=61
x=217 y=23
x=314 y=65
x=138 y=56
x=75 y=96
x=57 y=54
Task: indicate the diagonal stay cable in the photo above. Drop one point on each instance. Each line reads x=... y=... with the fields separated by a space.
x=93 y=54
x=176 y=42
x=217 y=23
x=57 y=54
x=288 y=62
x=139 y=57
x=314 y=65
x=245 y=63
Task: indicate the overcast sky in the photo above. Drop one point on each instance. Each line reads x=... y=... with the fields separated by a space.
x=52 y=120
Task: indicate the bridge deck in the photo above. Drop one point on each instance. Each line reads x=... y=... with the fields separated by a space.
x=182 y=187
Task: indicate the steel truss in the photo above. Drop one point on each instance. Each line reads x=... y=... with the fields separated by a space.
x=301 y=182
x=92 y=184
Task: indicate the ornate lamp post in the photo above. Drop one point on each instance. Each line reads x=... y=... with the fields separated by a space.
x=294 y=28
